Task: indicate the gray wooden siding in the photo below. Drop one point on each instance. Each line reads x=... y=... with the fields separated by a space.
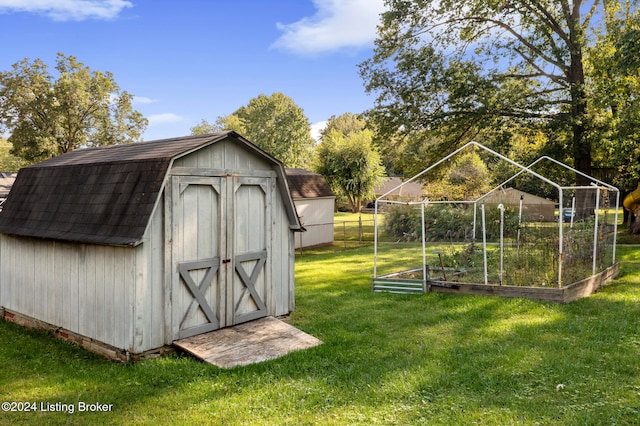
x=93 y=299
x=223 y=155
x=283 y=261
x=149 y=306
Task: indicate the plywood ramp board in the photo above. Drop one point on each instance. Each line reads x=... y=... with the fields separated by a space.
x=249 y=343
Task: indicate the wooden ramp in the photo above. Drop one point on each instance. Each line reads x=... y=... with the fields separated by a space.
x=252 y=342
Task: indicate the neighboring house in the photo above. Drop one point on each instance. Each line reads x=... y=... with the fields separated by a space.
x=315 y=204
x=128 y=248
x=533 y=207
x=412 y=191
x=6 y=181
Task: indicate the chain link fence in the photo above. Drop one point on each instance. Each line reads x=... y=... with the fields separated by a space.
x=347 y=234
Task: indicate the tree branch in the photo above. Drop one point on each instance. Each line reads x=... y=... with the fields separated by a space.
x=531 y=62
x=518 y=36
x=566 y=9
x=549 y=21
x=555 y=78
x=503 y=113
x=592 y=11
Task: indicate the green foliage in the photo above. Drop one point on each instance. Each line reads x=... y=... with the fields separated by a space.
x=350 y=164
x=613 y=64
x=402 y=221
x=204 y=127
x=345 y=124
x=443 y=222
x=8 y=161
x=447 y=72
x=524 y=146
x=275 y=124
x=81 y=108
x=467 y=178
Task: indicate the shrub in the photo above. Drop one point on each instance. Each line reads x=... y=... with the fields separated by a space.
x=403 y=221
x=447 y=222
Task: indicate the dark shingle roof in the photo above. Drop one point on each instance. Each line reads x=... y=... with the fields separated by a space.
x=306 y=184
x=154 y=150
x=99 y=195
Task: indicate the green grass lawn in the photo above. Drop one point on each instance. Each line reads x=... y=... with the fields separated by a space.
x=386 y=359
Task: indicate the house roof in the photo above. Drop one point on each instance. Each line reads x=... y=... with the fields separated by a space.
x=306 y=184
x=104 y=195
x=408 y=190
x=512 y=196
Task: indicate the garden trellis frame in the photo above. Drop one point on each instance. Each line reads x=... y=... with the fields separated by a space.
x=393 y=282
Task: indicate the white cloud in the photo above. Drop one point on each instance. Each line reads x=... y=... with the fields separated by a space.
x=143 y=100
x=67 y=10
x=165 y=118
x=337 y=24
x=316 y=128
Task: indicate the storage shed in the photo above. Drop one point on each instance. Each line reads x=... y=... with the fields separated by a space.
x=394 y=188
x=131 y=247
x=315 y=203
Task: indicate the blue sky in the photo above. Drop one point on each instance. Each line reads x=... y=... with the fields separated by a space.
x=187 y=60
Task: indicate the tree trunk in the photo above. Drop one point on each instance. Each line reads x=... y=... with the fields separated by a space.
x=635 y=225
x=585 y=200
x=581 y=142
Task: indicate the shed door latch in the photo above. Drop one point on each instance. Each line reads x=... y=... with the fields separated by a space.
x=226 y=260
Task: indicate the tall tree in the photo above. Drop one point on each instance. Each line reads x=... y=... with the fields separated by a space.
x=277 y=125
x=204 y=127
x=444 y=70
x=49 y=116
x=350 y=164
x=465 y=178
x=613 y=65
x=345 y=123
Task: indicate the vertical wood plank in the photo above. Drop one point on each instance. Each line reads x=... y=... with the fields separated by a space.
x=176 y=254
x=59 y=270
x=142 y=318
x=73 y=295
x=155 y=318
x=129 y=302
x=118 y=295
x=231 y=241
x=39 y=277
x=86 y=295
x=269 y=291
x=49 y=289
x=168 y=261
x=109 y=278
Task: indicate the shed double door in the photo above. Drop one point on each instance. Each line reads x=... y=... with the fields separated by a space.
x=220 y=247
